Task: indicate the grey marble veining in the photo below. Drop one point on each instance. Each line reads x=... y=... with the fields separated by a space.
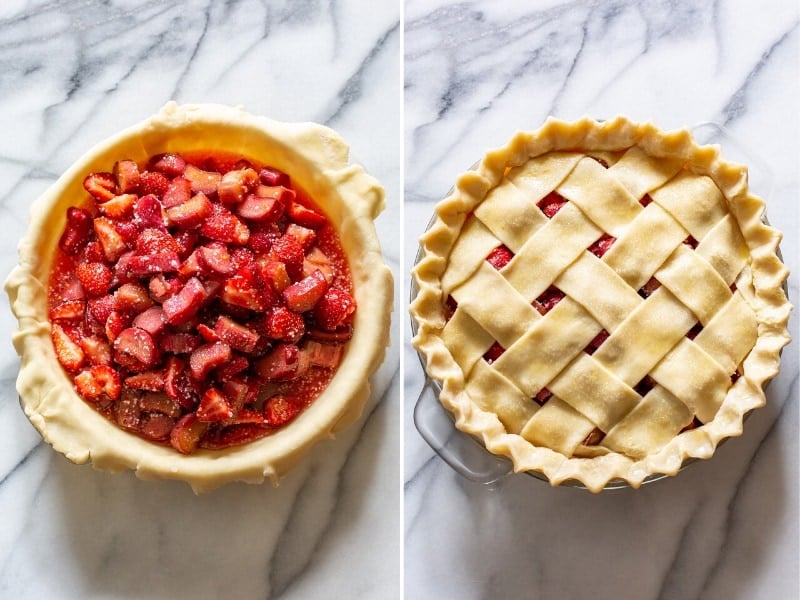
x=71 y=74
x=476 y=72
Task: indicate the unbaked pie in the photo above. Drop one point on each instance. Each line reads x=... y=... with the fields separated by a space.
x=600 y=301
x=189 y=290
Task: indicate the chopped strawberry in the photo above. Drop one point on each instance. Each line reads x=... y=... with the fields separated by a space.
x=119 y=207
x=151 y=320
x=151 y=182
x=186 y=240
x=304 y=235
x=156 y=241
x=93 y=252
x=158 y=402
x=156 y=426
x=236 y=365
x=288 y=250
x=95 y=278
x=306 y=293
x=96 y=349
x=126 y=173
x=184 y=305
x=279 y=410
x=551 y=204
x=317 y=259
x=235 y=335
x=101 y=307
x=208 y=357
x=110 y=239
x=213 y=407
x=247 y=416
x=262 y=236
x=284 y=324
x=275 y=273
x=548 y=300
x=135 y=349
x=97 y=382
x=335 y=309
x=234 y=185
x=177 y=384
x=148 y=213
x=239 y=393
x=186 y=433
x=152 y=381
x=215 y=257
x=202 y=181
x=71 y=310
x=224 y=226
x=191 y=213
x=246 y=289
x=76 y=233
x=500 y=257
x=102 y=186
x=179 y=343
x=302 y=215
x=282 y=364
x=178 y=192
x=171 y=165
x=208 y=334
x=161 y=287
x=257 y=208
x=271 y=176
x=68 y=352
x=132 y=297
x=601 y=246
x=596 y=342
x=327 y=356
x=116 y=323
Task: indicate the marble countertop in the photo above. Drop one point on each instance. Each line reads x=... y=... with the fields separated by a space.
x=71 y=74
x=477 y=71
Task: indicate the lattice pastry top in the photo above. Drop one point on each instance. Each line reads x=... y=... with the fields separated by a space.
x=601 y=301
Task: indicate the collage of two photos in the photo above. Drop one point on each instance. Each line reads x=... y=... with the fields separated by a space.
x=382 y=300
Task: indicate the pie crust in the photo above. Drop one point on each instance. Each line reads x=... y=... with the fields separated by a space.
x=317 y=160
x=666 y=208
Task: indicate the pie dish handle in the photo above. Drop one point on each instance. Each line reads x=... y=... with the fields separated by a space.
x=462 y=453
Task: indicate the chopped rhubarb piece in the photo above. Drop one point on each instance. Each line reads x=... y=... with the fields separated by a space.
x=184 y=305
x=247 y=290
x=159 y=402
x=235 y=185
x=151 y=182
x=119 y=207
x=239 y=392
x=493 y=353
x=648 y=288
x=304 y=235
x=215 y=257
x=282 y=364
x=171 y=165
x=191 y=213
x=97 y=382
x=283 y=324
x=233 y=435
x=236 y=365
x=257 y=208
x=279 y=410
x=127 y=410
x=543 y=396
x=317 y=259
x=288 y=250
x=151 y=320
x=142 y=265
x=177 y=384
x=126 y=173
x=202 y=181
x=548 y=300
x=500 y=257
x=148 y=213
x=208 y=357
x=110 y=239
x=235 y=335
x=596 y=342
x=132 y=297
x=305 y=294
x=595 y=437
x=156 y=426
x=152 y=381
x=645 y=385
x=135 y=349
x=96 y=349
x=179 y=343
x=102 y=186
x=224 y=226
x=208 y=334
x=335 y=309
x=95 y=278
x=327 y=356
x=302 y=215
x=691 y=242
x=187 y=433
x=161 y=288
x=601 y=246
x=551 y=204
x=76 y=233
x=178 y=192
x=645 y=200
x=273 y=177
x=191 y=266
x=247 y=416
x=68 y=352
x=213 y=407
x=337 y=336
x=71 y=310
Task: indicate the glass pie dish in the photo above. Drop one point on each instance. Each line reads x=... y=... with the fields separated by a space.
x=196 y=269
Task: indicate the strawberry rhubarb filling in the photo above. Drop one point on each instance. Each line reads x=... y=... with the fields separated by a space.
x=199 y=300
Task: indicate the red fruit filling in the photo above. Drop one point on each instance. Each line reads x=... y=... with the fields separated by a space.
x=199 y=300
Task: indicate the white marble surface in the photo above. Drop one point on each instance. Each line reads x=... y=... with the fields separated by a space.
x=72 y=73
x=475 y=72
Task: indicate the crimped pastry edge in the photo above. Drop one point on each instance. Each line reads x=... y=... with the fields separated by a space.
x=769 y=302
x=317 y=159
